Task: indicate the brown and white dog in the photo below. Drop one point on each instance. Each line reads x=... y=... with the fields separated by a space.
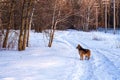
x=84 y=53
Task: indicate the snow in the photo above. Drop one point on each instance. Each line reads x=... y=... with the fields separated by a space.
x=61 y=61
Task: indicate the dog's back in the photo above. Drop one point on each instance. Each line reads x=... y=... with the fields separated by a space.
x=85 y=50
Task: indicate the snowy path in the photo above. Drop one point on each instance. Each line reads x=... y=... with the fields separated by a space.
x=62 y=61
x=98 y=68
x=82 y=70
x=104 y=68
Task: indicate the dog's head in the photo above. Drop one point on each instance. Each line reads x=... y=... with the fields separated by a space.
x=78 y=47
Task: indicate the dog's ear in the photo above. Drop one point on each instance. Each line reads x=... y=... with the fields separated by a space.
x=78 y=46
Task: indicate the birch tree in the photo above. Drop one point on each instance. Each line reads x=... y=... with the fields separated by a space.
x=26 y=23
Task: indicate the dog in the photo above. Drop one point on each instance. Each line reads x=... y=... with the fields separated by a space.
x=84 y=53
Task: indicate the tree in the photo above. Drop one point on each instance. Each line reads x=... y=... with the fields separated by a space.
x=10 y=24
x=27 y=12
x=59 y=15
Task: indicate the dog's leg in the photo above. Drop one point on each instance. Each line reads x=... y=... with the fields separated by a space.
x=81 y=57
x=86 y=57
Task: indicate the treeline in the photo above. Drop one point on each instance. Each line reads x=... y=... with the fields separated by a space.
x=24 y=15
x=74 y=13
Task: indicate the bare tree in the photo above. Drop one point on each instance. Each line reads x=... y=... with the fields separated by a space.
x=26 y=23
x=30 y=18
x=11 y=12
x=58 y=16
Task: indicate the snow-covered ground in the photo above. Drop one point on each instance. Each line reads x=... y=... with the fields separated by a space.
x=61 y=61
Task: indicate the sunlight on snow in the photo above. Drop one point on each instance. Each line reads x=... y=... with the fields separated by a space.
x=8 y=79
x=41 y=64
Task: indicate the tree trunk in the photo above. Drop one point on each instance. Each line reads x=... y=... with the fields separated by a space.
x=6 y=38
x=52 y=35
x=26 y=27
x=0 y=39
x=1 y=29
x=20 y=41
x=29 y=27
x=10 y=23
x=24 y=33
x=53 y=26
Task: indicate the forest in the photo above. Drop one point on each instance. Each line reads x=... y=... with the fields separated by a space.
x=19 y=17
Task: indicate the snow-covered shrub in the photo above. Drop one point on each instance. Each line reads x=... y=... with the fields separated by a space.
x=98 y=37
x=13 y=39
x=102 y=36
